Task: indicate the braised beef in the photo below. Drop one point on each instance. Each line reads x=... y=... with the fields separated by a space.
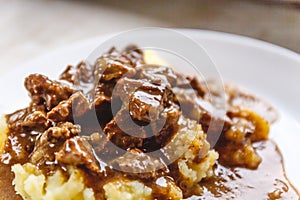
x=138 y=164
x=78 y=151
x=102 y=102
x=79 y=75
x=50 y=142
x=116 y=113
x=37 y=121
x=114 y=65
x=120 y=136
x=44 y=91
x=147 y=102
x=196 y=85
x=197 y=108
x=156 y=74
x=28 y=119
x=74 y=107
x=125 y=87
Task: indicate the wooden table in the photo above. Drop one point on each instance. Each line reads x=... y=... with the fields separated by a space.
x=31 y=28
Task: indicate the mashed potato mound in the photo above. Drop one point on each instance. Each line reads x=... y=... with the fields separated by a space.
x=3 y=132
x=188 y=143
x=31 y=184
x=127 y=190
x=192 y=172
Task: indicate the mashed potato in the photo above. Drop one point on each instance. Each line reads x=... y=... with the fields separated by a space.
x=31 y=184
x=3 y=131
x=189 y=143
x=191 y=171
x=127 y=190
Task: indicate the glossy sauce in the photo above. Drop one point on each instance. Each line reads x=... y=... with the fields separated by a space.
x=267 y=182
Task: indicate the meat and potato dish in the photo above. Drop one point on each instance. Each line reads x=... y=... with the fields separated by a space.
x=125 y=128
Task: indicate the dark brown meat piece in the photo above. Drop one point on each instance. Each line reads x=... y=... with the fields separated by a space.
x=104 y=90
x=28 y=119
x=102 y=102
x=241 y=98
x=238 y=155
x=197 y=86
x=114 y=65
x=79 y=75
x=196 y=108
x=138 y=164
x=157 y=74
x=77 y=151
x=36 y=121
x=134 y=54
x=125 y=87
x=148 y=117
x=50 y=142
x=236 y=146
x=182 y=81
x=214 y=127
x=76 y=106
x=129 y=134
x=125 y=137
x=147 y=102
x=43 y=91
x=186 y=99
x=162 y=130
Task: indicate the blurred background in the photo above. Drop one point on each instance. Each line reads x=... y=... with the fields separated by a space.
x=30 y=28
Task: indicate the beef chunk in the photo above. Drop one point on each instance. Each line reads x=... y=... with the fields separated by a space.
x=121 y=136
x=197 y=86
x=50 y=142
x=28 y=119
x=182 y=81
x=157 y=74
x=214 y=126
x=125 y=87
x=61 y=131
x=186 y=99
x=81 y=74
x=134 y=54
x=127 y=134
x=148 y=116
x=102 y=102
x=137 y=163
x=162 y=130
x=77 y=151
x=109 y=69
x=76 y=106
x=36 y=121
x=46 y=92
x=237 y=98
x=147 y=102
x=114 y=65
x=196 y=108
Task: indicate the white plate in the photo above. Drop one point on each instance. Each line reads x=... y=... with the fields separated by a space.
x=270 y=71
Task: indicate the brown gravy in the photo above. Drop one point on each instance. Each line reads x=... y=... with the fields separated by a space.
x=43 y=132
x=267 y=182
